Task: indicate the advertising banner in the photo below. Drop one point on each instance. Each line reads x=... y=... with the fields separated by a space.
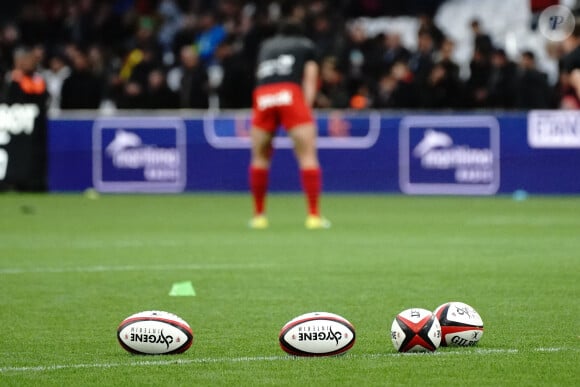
x=449 y=155
x=360 y=152
x=336 y=130
x=22 y=147
x=139 y=155
x=554 y=129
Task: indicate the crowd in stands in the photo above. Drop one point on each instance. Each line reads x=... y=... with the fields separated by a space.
x=166 y=54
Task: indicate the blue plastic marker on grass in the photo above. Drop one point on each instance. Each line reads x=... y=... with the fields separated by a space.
x=519 y=195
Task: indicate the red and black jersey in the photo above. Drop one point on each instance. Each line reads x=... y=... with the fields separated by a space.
x=282 y=59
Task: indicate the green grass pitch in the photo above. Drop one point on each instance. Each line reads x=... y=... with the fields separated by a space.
x=71 y=268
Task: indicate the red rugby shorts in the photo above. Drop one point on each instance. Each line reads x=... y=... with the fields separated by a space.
x=278 y=104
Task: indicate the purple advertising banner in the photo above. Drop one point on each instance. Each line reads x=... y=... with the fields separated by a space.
x=366 y=152
x=449 y=155
x=139 y=155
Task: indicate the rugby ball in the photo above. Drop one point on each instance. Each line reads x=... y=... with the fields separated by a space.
x=461 y=325
x=154 y=332
x=317 y=334
x=416 y=330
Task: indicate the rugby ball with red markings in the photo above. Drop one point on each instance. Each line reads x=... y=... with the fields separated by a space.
x=154 y=332
x=461 y=325
x=416 y=330
x=317 y=334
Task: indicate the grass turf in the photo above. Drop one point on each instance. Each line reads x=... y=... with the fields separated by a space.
x=72 y=268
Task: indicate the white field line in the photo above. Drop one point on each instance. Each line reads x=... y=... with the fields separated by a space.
x=103 y=269
x=157 y=363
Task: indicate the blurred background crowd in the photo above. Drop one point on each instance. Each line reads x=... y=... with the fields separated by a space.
x=167 y=54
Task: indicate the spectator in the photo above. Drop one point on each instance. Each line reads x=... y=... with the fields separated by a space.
x=421 y=61
x=333 y=91
x=228 y=12
x=570 y=62
x=185 y=35
x=99 y=63
x=353 y=57
x=362 y=98
x=442 y=89
x=9 y=40
x=190 y=80
x=87 y=22
x=261 y=29
x=132 y=96
x=234 y=90
x=324 y=35
x=212 y=33
x=27 y=169
x=120 y=33
x=144 y=37
x=361 y=56
x=566 y=94
x=82 y=89
x=445 y=57
x=481 y=41
x=31 y=24
x=171 y=17
x=106 y=66
x=453 y=79
x=402 y=88
x=140 y=72
x=394 y=50
x=502 y=81
x=39 y=52
x=385 y=91
x=158 y=95
x=477 y=84
x=57 y=71
x=109 y=27
x=427 y=25
x=534 y=92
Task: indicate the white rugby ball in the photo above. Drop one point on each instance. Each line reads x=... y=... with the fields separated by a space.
x=317 y=334
x=154 y=332
x=461 y=325
x=416 y=330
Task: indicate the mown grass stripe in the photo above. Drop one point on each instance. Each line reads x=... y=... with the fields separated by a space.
x=127 y=268
x=146 y=363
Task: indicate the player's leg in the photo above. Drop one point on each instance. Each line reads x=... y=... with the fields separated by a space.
x=304 y=138
x=259 y=173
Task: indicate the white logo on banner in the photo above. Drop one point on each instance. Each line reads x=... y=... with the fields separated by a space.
x=472 y=165
x=122 y=141
x=158 y=164
x=431 y=140
x=554 y=129
x=14 y=120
